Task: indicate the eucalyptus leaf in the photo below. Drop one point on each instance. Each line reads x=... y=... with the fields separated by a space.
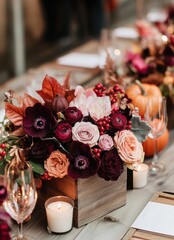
x=140 y=128
x=37 y=168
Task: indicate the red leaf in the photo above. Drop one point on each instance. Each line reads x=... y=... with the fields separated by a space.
x=70 y=95
x=28 y=101
x=15 y=114
x=51 y=88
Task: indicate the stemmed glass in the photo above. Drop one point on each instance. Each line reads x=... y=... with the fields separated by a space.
x=156 y=116
x=22 y=195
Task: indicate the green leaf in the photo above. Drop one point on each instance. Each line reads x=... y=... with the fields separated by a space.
x=2 y=168
x=140 y=128
x=37 y=168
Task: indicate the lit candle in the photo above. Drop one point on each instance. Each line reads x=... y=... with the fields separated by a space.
x=140 y=176
x=59 y=211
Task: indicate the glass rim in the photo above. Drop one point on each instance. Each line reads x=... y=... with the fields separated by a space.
x=59 y=198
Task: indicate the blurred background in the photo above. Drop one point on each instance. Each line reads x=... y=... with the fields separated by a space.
x=36 y=31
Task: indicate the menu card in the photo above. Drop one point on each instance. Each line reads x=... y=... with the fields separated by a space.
x=156 y=217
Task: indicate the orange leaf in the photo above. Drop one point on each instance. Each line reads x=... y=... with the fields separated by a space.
x=15 y=114
x=28 y=101
x=51 y=88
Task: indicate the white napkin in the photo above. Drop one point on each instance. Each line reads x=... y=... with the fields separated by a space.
x=125 y=32
x=75 y=59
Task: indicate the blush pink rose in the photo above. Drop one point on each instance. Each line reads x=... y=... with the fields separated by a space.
x=57 y=164
x=85 y=132
x=100 y=107
x=106 y=142
x=129 y=148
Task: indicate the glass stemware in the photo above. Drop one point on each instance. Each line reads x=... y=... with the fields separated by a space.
x=22 y=195
x=156 y=116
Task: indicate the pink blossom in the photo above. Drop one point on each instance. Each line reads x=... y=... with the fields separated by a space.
x=129 y=148
x=85 y=132
x=82 y=99
x=100 y=107
x=106 y=142
x=140 y=65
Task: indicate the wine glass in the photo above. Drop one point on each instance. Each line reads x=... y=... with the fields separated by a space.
x=156 y=117
x=22 y=195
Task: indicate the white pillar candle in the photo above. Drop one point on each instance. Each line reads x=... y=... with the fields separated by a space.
x=140 y=176
x=59 y=211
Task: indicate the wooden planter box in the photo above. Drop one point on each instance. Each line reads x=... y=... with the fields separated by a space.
x=94 y=197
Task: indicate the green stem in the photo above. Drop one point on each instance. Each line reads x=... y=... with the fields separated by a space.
x=140 y=85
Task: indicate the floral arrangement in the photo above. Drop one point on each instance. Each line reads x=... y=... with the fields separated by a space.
x=154 y=64
x=76 y=132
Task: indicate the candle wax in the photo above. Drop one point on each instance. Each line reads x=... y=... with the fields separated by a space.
x=140 y=176
x=59 y=216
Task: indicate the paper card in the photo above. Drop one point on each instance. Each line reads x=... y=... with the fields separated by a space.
x=156 y=217
x=84 y=60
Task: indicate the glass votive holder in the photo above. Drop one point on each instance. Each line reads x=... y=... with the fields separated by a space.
x=59 y=212
x=140 y=176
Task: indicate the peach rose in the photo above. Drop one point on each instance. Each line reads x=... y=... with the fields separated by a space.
x=129 y=148
x=57 y=164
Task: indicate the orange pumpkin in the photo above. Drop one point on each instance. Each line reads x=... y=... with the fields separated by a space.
x=162 y=141
x=141 y=94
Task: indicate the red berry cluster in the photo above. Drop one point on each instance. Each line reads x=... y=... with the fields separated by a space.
x=2 y=150
x=103 y=124
x=96 y=152
x=99 y=89
x=113 y=93
x=45 y=176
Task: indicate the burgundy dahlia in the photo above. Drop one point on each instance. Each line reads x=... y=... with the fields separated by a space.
x=63 y=132
x=73 y=115
x=118 y=121
x=38 y=120
x=111 y=165
x=82 y=164
x=41 y=150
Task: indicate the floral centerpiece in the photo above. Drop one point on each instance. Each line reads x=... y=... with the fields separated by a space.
x=153 y=64
x=73 y=132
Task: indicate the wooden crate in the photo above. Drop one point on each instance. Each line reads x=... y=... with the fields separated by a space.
x=94 y=197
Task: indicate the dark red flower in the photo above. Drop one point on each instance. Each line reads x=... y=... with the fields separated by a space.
x=73 y=115
x=111 y=165
x=4 y=231
x=41 y=150
x=118 y=121
x=169 y=60
x=38 y=120
x=3 y=194
x=63 y=132
x=82 y=164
